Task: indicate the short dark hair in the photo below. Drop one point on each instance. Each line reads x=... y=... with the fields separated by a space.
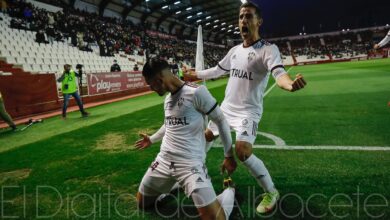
x=153 y=67
x=249 y=4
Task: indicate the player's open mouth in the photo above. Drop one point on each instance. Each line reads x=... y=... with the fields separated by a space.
x=244 y=30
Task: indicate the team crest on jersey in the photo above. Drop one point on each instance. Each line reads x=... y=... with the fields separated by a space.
x=251 y=56
x=180 y=102
x=234 y=57
x=244 y=122
x=194 y=170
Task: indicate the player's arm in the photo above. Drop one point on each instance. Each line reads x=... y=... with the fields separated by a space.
x=383 y=42
x=274 y=64
x=206 y=104
x=222 y=68
x=146 y=141
x=285 y=82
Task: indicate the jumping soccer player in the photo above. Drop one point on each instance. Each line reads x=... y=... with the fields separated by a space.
x=182 y=153
x=383 y=42
x=249 y=64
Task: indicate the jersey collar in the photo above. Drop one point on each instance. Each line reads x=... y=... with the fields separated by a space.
x=251 y=43
x=175 y=92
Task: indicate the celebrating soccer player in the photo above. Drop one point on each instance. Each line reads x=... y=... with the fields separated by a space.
x=182 y=153
x=249 y=64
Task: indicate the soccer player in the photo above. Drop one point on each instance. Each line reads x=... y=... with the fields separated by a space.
x=383 y=42
x=182 y=152
x=249 y=65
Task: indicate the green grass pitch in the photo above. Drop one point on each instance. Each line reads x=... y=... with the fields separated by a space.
x=87 y=168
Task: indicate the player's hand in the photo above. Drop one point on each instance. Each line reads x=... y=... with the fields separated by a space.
x=376 y=47
x=190 y=73
x=143 y=143
x=298 y=83
x=229 y=165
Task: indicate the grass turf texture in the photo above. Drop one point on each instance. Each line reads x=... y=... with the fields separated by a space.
x=344 y=104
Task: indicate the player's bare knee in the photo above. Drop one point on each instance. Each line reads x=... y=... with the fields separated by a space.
x=243 y=151
x=142 y=202
x=209 y=135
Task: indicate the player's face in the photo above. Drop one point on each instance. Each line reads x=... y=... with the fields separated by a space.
x=156 y=84
x=249 y=23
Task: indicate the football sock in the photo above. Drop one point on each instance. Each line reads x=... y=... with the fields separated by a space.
x=258 y=170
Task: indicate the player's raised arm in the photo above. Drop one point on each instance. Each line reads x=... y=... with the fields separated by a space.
x=274 y=64
x=383 y=42
x=147 y=141
x=285 y=82
x=206 y=104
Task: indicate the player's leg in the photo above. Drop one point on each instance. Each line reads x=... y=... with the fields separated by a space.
x=5 y=116
x=208 y=209
x=198 y=186
x=65 y=105
x=245 y=137
x=156 y=181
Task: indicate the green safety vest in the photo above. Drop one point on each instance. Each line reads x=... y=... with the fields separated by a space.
x=180 y=73
x=71 y=81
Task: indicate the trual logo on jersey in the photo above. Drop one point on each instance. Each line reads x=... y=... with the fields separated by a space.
x=234 y=57
x=251 y=56
x=244 y=133
x=241 y=74
x=199 y=180
x=173 y=121
x=180 y=102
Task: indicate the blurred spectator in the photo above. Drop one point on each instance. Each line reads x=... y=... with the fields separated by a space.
x=40 y=37
x=5 y=116
x=51 y=34
x=3 y=6
x=115 y=67
x=135 y=67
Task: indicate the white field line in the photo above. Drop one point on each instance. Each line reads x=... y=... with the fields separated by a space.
x=269 y=90
x=320 y=147
x=345 y=148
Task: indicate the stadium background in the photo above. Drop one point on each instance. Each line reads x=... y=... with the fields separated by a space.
x=345 y=104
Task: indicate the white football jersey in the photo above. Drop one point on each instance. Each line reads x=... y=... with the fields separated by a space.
x=249 y=69
x=185 y=109
x=385 y=40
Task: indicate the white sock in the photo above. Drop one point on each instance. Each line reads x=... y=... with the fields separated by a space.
x=258 y=170
x=209 y=145
x=226 y=199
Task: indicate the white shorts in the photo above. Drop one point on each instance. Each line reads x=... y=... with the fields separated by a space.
x=162 y=175
x=245 y=127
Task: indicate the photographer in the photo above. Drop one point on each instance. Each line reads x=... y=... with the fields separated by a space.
x=69 y=88
x=5 y=116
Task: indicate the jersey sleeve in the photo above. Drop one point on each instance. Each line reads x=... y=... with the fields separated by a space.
x=273 y=61
x=385 y=40
x=203 y=101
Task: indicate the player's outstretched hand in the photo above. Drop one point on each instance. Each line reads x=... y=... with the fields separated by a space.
x=376 y=47
x=229 y=165
x=143 y=143
x=299 y=83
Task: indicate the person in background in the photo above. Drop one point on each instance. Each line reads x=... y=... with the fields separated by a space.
x=115 y=67
x=69 y=88
x=5 y=116
x=135 y=67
